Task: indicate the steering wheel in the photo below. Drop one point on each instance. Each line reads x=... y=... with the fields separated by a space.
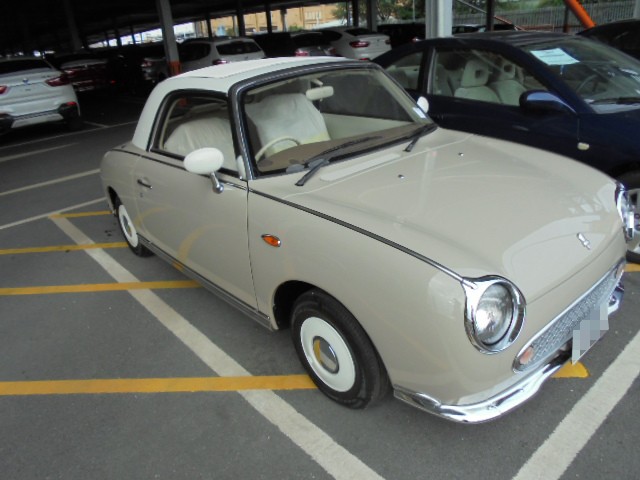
x=586 y=82
x=271 y=143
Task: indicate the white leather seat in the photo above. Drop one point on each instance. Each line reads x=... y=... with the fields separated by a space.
x=473 y=84
x=286 y=115
x=506 y=86
x=200 y=132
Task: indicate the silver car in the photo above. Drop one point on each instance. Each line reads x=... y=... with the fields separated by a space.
x=283 y=187
x=33 y=92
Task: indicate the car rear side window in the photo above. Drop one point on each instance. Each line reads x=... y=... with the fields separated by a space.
x=192 y=120
x=190 y=52
x=237 y=48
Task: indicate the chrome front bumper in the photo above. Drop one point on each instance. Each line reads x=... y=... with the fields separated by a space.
x=508 y=399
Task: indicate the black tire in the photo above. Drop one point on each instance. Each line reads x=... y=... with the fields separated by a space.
x=129 y=231
x=336 y=351
x=631 y=180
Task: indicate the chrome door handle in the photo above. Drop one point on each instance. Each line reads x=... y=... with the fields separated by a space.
x=145 y=183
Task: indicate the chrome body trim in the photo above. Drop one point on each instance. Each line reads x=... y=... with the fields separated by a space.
x=559 y=330
x=473 y=297
x=491 y=408
x=464 y=281
x=251 y=312
x=505 y=401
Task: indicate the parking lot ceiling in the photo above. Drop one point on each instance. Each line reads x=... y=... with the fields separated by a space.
x=27 y=25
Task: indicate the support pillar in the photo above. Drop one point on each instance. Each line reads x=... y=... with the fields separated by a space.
x=76 y=44
x=356 y=13
x=267 y=12
x=491 y=11
x=168 y=37
x=372 y=15
x=438 y=21
x=207 y=18
x=242 y=30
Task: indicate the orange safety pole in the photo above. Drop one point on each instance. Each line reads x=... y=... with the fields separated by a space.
x=174 y=68
x=580 y=13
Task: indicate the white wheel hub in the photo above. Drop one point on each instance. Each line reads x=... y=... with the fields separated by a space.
x=127 y=226
x=328 y=354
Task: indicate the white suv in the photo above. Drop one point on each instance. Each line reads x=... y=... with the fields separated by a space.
x=32 y=92
x=204 y=52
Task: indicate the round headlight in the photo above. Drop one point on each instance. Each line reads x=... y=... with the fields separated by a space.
x=494 y=313
x=625 y=210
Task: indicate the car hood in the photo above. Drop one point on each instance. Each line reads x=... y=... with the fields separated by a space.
x=475 y=205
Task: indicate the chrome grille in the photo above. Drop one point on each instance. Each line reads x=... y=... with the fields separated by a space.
x=560 y=330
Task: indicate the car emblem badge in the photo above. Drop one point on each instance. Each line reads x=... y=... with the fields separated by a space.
x=25 y=81
x=585 y=242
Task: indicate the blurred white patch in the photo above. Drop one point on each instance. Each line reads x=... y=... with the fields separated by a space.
x=591 y=330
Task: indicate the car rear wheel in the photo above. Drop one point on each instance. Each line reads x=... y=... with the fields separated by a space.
x=336 y=351
x=632 y=182
x=129 y=231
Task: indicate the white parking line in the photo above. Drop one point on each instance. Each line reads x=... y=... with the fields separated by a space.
x=34 y=152
x=68 y=134
x=555 y=455
x=51 y=182
x=335 y=459
x=48 y=214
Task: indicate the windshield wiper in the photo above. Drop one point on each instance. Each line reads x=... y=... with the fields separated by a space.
x=314 y=166
x=322 y=159
x=417 y=134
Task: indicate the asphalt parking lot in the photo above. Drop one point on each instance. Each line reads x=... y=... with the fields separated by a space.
x=119 y=367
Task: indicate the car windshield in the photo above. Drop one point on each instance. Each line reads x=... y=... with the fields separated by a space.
x=327 y=115
x=603 y=77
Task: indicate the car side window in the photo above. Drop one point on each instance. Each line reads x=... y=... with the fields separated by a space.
x=406 y=71
x=480 y=76
x=191 y=121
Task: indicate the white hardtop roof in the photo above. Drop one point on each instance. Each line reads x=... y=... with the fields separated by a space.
x=218 y=78
x=250 y=68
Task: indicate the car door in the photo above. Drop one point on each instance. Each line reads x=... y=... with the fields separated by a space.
x=478 y=91
x=472 y=104
x=180 y=212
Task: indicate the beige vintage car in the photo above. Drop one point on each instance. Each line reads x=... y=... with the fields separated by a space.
x=315 y=194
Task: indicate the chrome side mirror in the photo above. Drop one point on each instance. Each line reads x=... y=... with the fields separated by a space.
x=543 y=101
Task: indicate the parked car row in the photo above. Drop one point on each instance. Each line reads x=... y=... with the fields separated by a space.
x=315 y=194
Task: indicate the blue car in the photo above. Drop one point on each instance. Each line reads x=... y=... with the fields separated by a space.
x=562 y=93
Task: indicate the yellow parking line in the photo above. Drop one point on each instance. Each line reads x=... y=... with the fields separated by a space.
x=98 y=287
x=632 y=267
x=80 y=214
x=569 y=370
x=61 y=248
x=157 y=385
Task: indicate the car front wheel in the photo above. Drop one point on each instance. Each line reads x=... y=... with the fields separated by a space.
x=129 y=231
x=336 y=351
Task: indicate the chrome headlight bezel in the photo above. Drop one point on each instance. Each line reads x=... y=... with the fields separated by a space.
x=475 y=290
x=625 y=210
